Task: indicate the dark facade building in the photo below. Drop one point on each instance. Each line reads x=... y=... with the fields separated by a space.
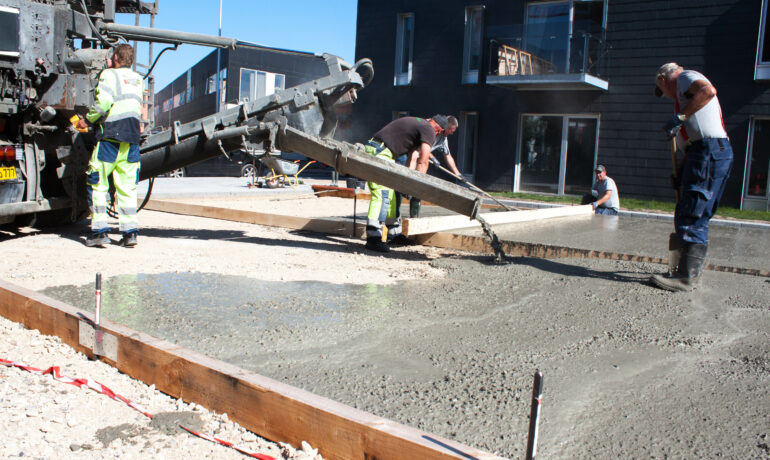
x=546 y=90
x=245 y=74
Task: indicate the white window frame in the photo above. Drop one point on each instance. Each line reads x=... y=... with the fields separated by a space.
x=762 y=68
x=752 y=202
x=270 y=88
x=403 y=77
x=472 y=76
x=562 y=154
x=468 y=172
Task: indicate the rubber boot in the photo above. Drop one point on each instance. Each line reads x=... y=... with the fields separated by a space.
x=674 y=253
x=414 y=207
x=374 y=243
x=690 y=267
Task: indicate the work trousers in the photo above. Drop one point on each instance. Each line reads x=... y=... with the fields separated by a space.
x=121 y=161
x=383 y=207
x=704 y=175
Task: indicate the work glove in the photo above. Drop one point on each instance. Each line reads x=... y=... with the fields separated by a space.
x=435 y=161
x=673 y=125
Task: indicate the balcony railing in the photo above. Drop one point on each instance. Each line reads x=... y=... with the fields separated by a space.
x=577 y=54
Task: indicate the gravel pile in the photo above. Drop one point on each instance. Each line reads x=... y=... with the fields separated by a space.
x=45 y=418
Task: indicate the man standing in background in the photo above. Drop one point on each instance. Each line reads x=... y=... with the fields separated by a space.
x=117 y=110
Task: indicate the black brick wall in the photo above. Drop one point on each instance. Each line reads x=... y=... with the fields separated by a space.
x=715 y=37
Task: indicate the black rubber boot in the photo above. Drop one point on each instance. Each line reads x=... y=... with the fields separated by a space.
x=374 y=243
x=690 y=267
x=97 y=240
x=414 y=207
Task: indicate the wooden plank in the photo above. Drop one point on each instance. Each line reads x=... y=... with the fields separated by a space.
x=323 y=225
x=269 y=408
x=424 y=225
x=344 y=192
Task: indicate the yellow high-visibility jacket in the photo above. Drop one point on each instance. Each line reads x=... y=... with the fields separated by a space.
x=118 y=105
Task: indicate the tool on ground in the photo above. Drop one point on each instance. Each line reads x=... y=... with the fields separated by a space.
x=674 y=244
x=478 y=189
x=534 y=415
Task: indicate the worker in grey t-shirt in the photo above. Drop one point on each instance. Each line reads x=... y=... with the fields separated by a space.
x=604 y=193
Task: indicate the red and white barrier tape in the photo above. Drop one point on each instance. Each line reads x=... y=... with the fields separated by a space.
x=55 y=372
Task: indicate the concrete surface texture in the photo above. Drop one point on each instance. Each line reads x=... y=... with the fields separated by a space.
x=629 y=370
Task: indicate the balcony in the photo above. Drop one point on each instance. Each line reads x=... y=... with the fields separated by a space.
x=553 y=62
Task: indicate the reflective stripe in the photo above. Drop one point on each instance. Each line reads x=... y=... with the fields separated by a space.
x=122 y=116
x=123 y=97
x=108 y=90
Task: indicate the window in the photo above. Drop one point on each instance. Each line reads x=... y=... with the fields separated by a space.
x=222 y=85
x=255 y=84
x=756 y=195
x=557 y=154
x=211 y=84
x=474 y=24
x=189 y=85
x=404 y=49
x=563 y=36
x=762 y=70
x=466 y=156
x=179 y=99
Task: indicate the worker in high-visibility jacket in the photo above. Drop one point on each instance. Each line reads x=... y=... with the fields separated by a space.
x=116 y=116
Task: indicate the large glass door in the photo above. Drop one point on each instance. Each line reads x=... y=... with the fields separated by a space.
x=756 y=190
x=581 y=150
x=540 y=153
x=557 y=154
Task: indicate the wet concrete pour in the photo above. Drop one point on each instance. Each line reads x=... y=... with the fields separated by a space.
x=629 y=370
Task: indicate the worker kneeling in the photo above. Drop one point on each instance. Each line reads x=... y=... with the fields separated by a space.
x=399 y=137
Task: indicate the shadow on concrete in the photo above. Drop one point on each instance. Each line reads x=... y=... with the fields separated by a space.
x=559 y=268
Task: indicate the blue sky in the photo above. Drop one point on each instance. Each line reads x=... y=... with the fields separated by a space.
x=316 y=26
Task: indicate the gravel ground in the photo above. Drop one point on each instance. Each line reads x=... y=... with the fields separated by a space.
x=447 y=342
x=44 y=418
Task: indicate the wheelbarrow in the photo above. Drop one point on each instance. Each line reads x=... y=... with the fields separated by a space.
x=281 y=172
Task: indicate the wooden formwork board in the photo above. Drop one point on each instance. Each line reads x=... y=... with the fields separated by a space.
x=268 y=408
x=323 y=225
x=346 y=192
x=435 y=224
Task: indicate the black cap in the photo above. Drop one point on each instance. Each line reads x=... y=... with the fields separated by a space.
x=441 y=120
x=600 y=168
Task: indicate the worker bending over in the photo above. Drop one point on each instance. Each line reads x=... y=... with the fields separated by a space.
x=398 y=138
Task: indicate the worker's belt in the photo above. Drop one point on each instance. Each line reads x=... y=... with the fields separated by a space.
x=379 y=146
x=700 y=143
